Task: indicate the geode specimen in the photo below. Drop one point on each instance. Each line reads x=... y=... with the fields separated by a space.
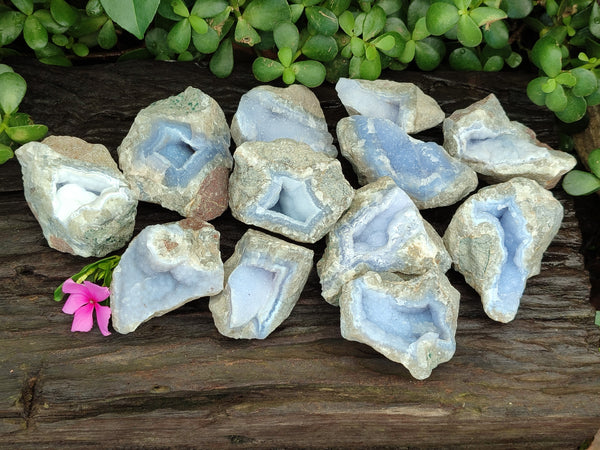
x=286 y=187
x=266 y=113
x=499 y=149
x=177 y=154
x=263 y=281
x=163 y=268
x=382 y=231
x=77 y=194
x=405 y=104
x=497 y=238
x=410 y=320
x=377 y=147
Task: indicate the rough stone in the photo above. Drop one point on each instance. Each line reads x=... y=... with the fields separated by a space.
x=377 y=147
x=405 y=104
x=163 y=268
x=382 y=231
x=410 y=320
x=286 y=187
x=499 y=149
x=497 y=239
x=177 y=154
x=263 y=281
x=76 y=192
x=267 y=113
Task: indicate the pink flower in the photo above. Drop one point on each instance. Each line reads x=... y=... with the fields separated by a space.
x=84 y=299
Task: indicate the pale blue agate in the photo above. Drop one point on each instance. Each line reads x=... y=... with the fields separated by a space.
x=506 y=289
x=422 y=169
x=172 y=150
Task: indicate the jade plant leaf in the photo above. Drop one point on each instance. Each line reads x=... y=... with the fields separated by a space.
x=547 y=55
x=6 y=153
x=133 y=15
x=265 y=14
x=34 y=33
x=107 y=37
x=207 y=42
x=464 y=59
x=11 y=25
x=12 y=91
x=441 y=17
x=286 y=34
x=25 y=6
x=374 y=23
x=245 y=33
x=594 y=162
x=535 y=90
x=208 y=8
x=63 y=13
x=266 y=69
x=485 y=15
x=324 y=21
x=221 y=63
x=198 y=24
x=496 y=35
x=574 y=109
x=180 y=36
x=309 y=73
x=468 y=32
x=586 y=82
x=26 y=133
x=578 y=182
x=320 y=48
x=517 y=9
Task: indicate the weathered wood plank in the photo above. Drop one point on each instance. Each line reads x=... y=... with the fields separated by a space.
x=176 y=382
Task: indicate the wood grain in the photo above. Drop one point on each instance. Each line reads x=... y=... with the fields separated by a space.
x=175 y=382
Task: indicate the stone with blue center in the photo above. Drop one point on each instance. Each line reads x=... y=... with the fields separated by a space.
x=382 y=231
x=177 y=154
x=267 y=113
x=286 y=187
x=499 y=149
x=497 y=239
x=377 y=147
x=263 y=281
x=409 y=319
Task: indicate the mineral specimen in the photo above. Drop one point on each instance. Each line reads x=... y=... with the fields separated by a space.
x=382 y=231
x=266 y=113
x=286 y=187
x=377 y=147
x=499 y=149
x=410 y=320
x=76 y=192
x=497 y=238
x=403 y=103
x=164 y=267
x=263 y=281
x=177 y=154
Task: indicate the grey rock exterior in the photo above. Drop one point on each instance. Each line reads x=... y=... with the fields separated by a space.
x=497 y=239
x=286 y=187
x=177 y=154
x=405 y=104
x=499 y=149
x=263 y=281
x=163 y=268
x=266 y=113
x=382 y=231
x=408 y=319
x=78 y=195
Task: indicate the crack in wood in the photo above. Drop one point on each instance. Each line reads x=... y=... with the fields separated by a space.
x=30 y=397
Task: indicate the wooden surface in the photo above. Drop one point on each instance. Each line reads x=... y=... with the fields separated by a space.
x=176 y=382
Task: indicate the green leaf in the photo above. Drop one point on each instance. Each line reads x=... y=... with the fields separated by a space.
x=557 y=99
x=586 y=82
x=18 y=119
x=198 y=24
x=358 y=46
x=56 y=60
x=546 y=54
x=11 y=25
x=286 y=35
x=464 y=59
x=385 y=42
x=265 y=14
x=34 y=33
x=359 y=21
x=370 y=69
x=441 y=17
x=25 y=6
x=408 y=53
x=595 y=20
x=578 y=182
x=207 y=42
x=12 y=91
x=288 y=77
x=493 y=64
x=462 y=4
x=390 y=6
x=208 y=8
x=4 y=68
x=107 y=37
x=6 y=153
x=496 y=35
x=266 y=69
x=133 y=15
x=594 y=98
x=285 y=56
x=309 y=73
x=337 y=6
x=60 y=39
x=371 y=52
x=574 y=110
x=26 y=133
x=535 y=91
x=514 y=60
x=468 y=32
x=94 y=8
x=221 y=63
x=156 y=43
x=346 y=22
x=517 y=9
x=594 y=162
x=429 y=53
x=374 y=23
x=80 y=49
x=245 y=34
x=320 y=48
x=354 y=67
x=166 y=10
x=296 y=12
x=63 y=13
x=179 y=8
x=417 y=9
x=323 y=20
x=180 y=36
x=485 y=15
x=549 y=85
x=566 y=79
x=86 y=25
x=420 y=32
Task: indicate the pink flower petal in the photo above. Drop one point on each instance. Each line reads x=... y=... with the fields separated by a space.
x=98 y=293
x=70 y=287
x=83 y=320
x=74 y=302
x=102 y=316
